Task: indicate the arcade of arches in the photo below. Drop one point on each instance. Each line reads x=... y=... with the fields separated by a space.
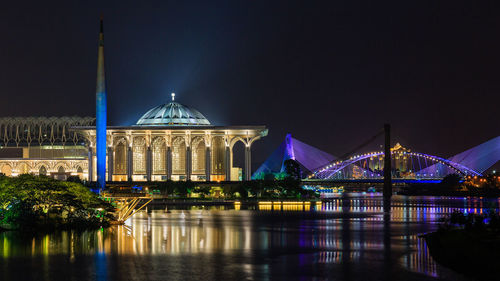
x=59 y=169
x=170 y=141
x=157 y=154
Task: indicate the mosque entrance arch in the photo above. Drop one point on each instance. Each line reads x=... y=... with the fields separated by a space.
x=237 y=162
x=79 y=172
x=42 y=171
x=61 y=174
x=198 y=157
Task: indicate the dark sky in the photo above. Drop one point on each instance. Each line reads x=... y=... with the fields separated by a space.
x=331 y=73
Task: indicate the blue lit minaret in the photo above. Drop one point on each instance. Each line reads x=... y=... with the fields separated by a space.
x=100 y=112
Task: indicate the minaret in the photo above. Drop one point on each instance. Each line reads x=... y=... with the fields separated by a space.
x=101 y=113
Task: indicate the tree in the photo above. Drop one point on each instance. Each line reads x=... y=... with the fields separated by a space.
x=292 y=169
x=30 y=201
x=202 y=190
x=166 y=187
x=183 y=188
x=74 y=179
x=450 y=182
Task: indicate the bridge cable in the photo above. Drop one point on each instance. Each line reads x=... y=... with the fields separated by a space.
x=361 y=145
x=346 y=155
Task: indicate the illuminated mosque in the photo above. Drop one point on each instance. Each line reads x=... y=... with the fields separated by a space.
x=170 y=141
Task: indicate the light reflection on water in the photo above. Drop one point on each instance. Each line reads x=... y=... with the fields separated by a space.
x=312 y=238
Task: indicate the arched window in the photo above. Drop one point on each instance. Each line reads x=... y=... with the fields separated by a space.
x=139 y=152
x=159 y=154
x=198 y=155
x=61 y=173
x=79 y=172
x=120 y=160
x=179 y=156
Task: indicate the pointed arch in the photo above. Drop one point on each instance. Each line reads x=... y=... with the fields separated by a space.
x=198 y=155
x=159 y=150
x=179 y=155
x=42 y=171
x=139 y=155
x=120 y=157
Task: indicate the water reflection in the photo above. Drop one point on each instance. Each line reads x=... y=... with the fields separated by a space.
x=349 y=236
x=419 y=259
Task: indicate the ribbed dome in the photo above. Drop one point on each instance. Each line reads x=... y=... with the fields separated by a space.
x=173 y=114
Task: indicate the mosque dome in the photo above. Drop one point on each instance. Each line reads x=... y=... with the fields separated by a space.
x=172 y=114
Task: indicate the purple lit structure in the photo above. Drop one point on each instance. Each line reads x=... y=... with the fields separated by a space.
x=308 y=157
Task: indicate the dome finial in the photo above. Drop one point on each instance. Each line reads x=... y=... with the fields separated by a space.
x=173 y=96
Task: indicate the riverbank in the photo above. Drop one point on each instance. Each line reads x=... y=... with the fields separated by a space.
x=223 y=202
x=493 y=194
x=468 y=243
x=438 y=190
x=472 y=253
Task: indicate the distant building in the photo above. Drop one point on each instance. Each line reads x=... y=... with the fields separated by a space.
x=43 y=146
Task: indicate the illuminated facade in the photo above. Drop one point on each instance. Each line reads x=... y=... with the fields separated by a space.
x=173 y=141
x=170 y=141
x=43 y=146
x=406 y=164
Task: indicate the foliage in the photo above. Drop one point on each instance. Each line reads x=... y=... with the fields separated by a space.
x=74 y=179
x=468 y=243
x=277 y=176
x=489 y=220
x=179 y=188
x=292 y=169
x=450 y=182
x=30 y=201
x=288 y=187
x=202 y=190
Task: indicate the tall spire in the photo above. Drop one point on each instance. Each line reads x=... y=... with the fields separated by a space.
x=101 y=112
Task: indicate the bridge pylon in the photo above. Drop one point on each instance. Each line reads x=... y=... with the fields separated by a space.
x=387 y=168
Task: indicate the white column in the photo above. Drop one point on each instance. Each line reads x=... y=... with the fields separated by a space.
x=149 y=163
x=208 y=163
x=169 y=163
x=188 y=163
x=110 y=163
x=227 y=163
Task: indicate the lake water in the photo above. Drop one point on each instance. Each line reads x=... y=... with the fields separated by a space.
x=344 y=239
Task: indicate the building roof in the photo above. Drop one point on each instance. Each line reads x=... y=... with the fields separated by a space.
x=173 y=114
x=31 y=130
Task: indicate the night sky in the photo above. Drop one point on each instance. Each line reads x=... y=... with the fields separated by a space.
x=331 y=73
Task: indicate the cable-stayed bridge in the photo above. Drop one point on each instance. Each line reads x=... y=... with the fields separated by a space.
x=407 y=166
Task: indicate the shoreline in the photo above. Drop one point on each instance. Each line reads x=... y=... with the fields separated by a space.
x=472 y=253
